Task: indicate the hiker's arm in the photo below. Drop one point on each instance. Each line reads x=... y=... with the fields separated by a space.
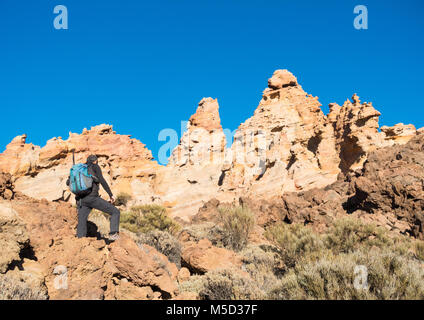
x=67 y=182
x=99 y=176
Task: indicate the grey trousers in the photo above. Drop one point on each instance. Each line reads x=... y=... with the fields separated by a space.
x=85 y=205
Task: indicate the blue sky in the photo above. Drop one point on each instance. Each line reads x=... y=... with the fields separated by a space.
x=144 y=65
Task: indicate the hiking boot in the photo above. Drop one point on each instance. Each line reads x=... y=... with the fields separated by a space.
x=114 y=237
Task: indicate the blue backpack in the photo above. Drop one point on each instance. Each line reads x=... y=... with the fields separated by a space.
x=80 y=181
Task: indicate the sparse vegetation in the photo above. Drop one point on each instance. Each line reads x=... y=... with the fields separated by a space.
x=323 y=266
x=262 y=265
x=295 y=241
x=237 y=223
x=122 y=199
x=389 y=276
x=194 y=284
x=13 y=289
x=419 y=250
x=209 y=230
x=227 y=284
x=164 y=243
x=349 y=234
x=146 y=218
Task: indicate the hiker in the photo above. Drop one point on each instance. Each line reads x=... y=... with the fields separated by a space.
x=93 y=201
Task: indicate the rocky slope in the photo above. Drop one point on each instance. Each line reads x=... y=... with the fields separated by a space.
x=39 y=248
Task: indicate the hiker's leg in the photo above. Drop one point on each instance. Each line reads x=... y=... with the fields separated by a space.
x=107 y=207
x=83 y=212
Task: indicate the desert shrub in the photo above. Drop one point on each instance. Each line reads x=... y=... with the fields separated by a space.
x=194 y=284
x=122 y=199
x=227 y=284
x=295 y=242
x=419 y=250
x=146 y=218
x=349 y=234
x=209 y=230
x=164 y=242
x=13 y=289
x=389 y=276
x=237 y=223
x=262 y=265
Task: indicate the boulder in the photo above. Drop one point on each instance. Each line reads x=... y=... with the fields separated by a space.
x=13 y=236
x=202 y=257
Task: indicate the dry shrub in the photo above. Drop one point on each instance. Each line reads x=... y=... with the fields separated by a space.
x=237 y=222
x=194 y=284
x=164 y=242
x=146 y=218
x=122 y=199
x=228 y=284
x=209 y=230
x=13 y=289
x=262 y=264
x=390 y=276
x=419 y=249
x=348 y=234
x=295 y=241
x=323 y=266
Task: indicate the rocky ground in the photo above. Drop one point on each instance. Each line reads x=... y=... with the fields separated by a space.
x=329 y=192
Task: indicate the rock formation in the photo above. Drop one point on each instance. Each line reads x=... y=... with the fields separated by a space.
x=194 y=169
x=289 y=162
x=42 y=172
x=288 y=145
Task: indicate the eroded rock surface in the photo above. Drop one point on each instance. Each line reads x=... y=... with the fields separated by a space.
x=288 y=145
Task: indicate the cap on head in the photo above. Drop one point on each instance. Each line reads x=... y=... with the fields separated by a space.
x=91 y=158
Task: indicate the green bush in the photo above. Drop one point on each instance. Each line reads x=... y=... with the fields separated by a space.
x=164 y=242
x=13 y=289
x=237 y=222
x=147 y=218
x=122 y=199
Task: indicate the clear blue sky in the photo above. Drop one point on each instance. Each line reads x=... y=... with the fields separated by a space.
x=144 y=65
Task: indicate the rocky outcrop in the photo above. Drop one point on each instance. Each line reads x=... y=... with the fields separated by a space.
x=288 y=145
x=204 y=141
x=42 y=172
x=6 y=186
x=13 y=236
x=356 y=131
x=13 y=233
x=39 y=247
x=390 y=188
x=202 y=256
x=194 y=169
x=399 y=133
x=388 y=191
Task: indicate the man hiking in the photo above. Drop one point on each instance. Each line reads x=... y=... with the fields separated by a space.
x=93 y=201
